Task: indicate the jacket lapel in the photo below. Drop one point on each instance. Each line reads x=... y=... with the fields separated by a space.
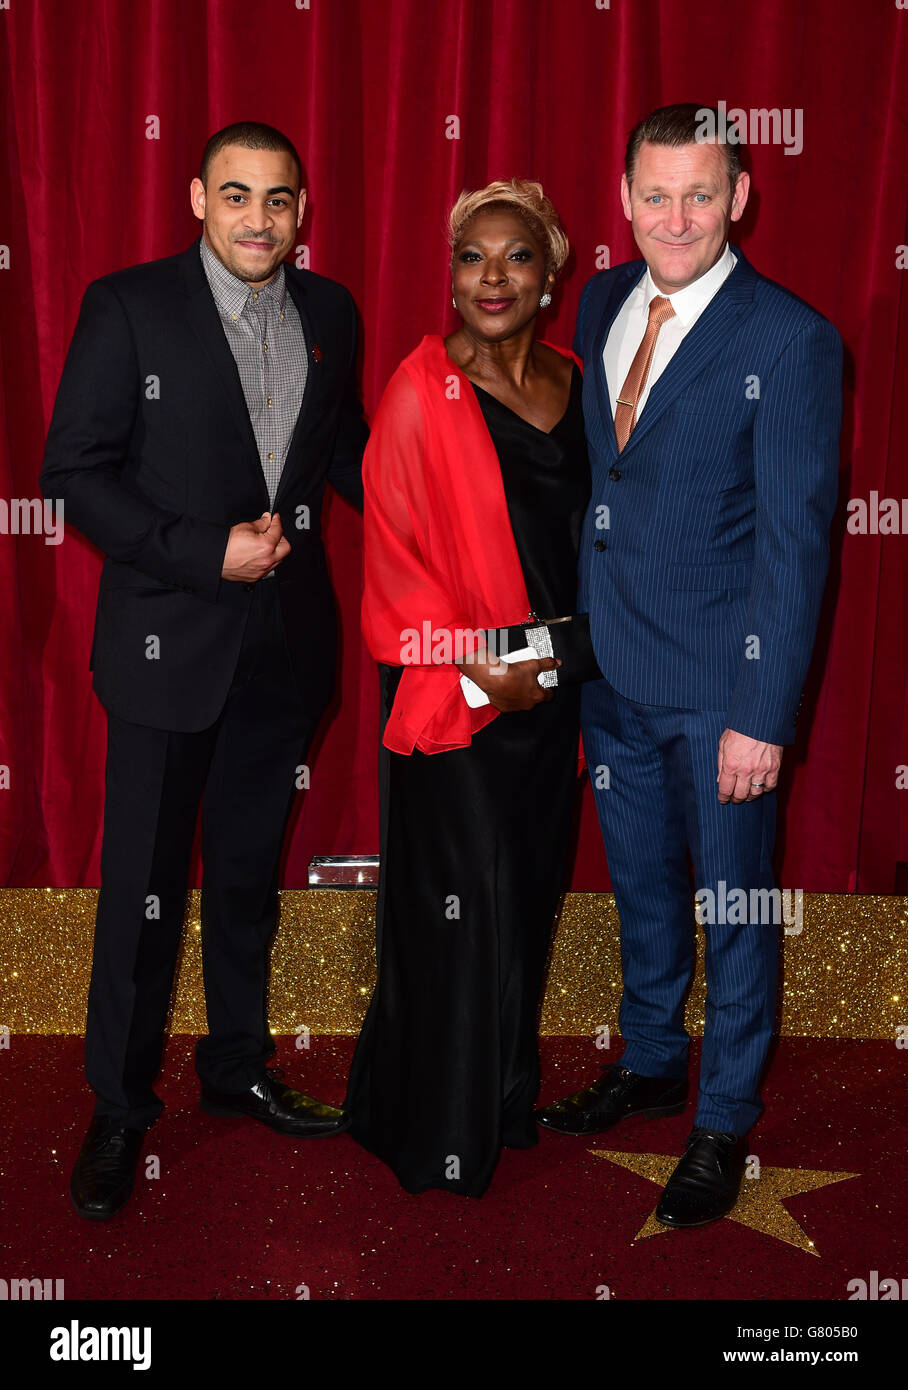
x=205 y=321
x=622 y=283
x=720 y=318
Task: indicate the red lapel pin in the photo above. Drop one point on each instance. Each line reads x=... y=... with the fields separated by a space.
x=317 y=352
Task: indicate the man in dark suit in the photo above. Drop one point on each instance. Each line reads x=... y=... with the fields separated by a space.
x=712 y=400
x=205 y=401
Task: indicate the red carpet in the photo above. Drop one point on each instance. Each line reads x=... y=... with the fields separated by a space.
x=241 y=1213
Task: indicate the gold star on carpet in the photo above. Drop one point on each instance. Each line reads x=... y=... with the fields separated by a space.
x=759 y=1204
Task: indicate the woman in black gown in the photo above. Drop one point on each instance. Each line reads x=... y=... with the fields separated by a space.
x=475 y=839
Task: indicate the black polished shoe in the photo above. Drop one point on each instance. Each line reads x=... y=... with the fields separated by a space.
x=105 y=1170
x=617 y=1094
x=706 y=1182
x=279 y=1107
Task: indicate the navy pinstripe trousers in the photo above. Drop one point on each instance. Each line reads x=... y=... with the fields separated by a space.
x=658 y=806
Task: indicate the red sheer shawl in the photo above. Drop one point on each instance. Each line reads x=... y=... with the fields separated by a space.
x=440 y=558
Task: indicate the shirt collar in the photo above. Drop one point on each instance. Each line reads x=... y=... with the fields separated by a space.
x=233 y=295
x=690 y=301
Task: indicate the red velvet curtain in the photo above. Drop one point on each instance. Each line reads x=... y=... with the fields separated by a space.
x=395 y=106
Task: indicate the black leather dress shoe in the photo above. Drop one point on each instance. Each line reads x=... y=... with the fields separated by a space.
x=105 y=1170
x=617 y=1094
x=279 y=1107
x=706 y=1182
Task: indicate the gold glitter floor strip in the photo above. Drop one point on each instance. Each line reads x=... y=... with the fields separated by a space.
x=843 y=974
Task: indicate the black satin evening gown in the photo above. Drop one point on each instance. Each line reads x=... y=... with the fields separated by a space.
x=474 y=845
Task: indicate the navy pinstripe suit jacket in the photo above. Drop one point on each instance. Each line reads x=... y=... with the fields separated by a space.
x=703 y=562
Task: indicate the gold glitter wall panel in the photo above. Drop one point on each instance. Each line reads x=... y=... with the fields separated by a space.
x=843 y=974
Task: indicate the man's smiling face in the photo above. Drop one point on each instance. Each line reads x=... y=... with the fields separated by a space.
x=251 y=206
x=680 y=206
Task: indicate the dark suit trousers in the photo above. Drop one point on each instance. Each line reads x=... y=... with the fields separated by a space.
x=246 y=766
x=659 y=805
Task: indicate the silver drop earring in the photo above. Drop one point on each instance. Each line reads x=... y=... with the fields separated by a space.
x=545 y=301
x=454 y=301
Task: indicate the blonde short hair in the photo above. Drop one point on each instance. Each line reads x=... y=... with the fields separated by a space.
x=527 y=200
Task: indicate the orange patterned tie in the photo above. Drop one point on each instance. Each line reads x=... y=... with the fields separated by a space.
x=660 y=311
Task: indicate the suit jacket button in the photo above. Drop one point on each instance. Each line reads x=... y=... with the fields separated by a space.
x=614 y=474
x=598 y=545
x=248 y=588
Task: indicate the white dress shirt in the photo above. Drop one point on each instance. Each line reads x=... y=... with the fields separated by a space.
x=626 y=332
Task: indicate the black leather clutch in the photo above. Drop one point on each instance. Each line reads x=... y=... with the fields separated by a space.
x=566 y=638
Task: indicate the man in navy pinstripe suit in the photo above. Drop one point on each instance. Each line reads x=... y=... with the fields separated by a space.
x=712 y=400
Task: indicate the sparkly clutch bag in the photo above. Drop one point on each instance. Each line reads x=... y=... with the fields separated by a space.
x=566 y=638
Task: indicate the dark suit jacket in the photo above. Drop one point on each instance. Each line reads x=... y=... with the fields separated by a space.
x=718 y=507
x=152 y=452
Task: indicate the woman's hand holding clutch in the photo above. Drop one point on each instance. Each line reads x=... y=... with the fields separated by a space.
x=510 y=685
